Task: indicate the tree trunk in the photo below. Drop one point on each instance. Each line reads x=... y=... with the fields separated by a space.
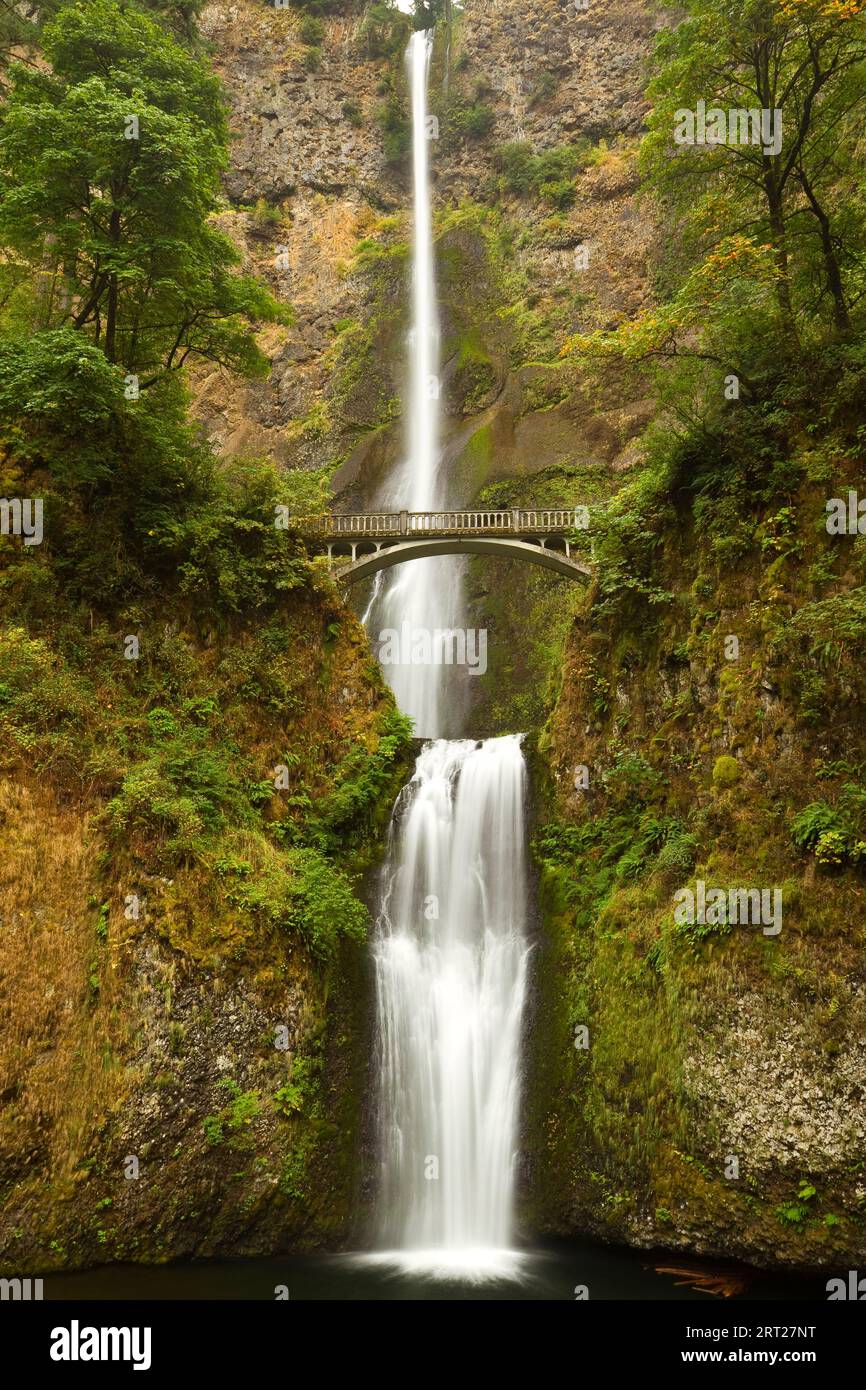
x=841 y=317
x=111 y=308
x=777 y=228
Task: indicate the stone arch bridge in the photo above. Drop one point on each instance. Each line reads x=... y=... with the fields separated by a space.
x=362 y=543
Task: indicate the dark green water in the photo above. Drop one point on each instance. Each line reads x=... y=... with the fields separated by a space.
x=549 y=1273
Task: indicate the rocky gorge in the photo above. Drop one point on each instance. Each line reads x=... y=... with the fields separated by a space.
x=696 y=1088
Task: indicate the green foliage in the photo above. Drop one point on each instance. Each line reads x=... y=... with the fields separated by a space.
x=630 y=778
x=628 y=536
x=349 y=812
x=542 y=88
x=102 y=922
x=42 y=704
x=311 y=30
x=833 y=627
x=797 y=1212
x=677 y=854
x=180 y=793
x=134 y=498
x=134 y=260
x=696 y=933
x=473 y=122
x=61 y=400
x=213 y=1130
x=807 y=61
x=265 y=219
x=384 y=30
x=302 y=1093
x=301 y=893
x=396 y=131
x=238 y=1115
x=548 y=174
x=835 y=834
x=560 y=192
x=593 y=859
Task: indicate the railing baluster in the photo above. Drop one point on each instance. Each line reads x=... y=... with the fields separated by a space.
x=541 y=521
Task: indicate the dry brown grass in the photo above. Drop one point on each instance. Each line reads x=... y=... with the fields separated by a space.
x=57 y=1077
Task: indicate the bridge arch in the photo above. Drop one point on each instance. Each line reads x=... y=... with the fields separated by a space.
x=363 y=566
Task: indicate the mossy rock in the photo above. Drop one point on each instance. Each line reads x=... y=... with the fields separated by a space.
x=726 y=771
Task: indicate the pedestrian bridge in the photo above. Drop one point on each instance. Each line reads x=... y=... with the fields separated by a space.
x=362 y=543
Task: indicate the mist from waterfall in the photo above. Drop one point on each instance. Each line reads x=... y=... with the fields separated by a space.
x=450 y=946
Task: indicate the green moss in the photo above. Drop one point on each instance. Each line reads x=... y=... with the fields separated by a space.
x=726 y=771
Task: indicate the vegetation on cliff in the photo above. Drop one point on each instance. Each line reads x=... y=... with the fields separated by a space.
x=198 y=753
x=713 y=690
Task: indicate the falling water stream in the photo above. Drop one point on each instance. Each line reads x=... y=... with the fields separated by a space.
x=450 y=946
x=426 y=594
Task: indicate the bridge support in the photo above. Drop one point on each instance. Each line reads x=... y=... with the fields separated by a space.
x=500 y=546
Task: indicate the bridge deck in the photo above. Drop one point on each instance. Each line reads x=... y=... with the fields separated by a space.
x=378 y=540
x=516 y=521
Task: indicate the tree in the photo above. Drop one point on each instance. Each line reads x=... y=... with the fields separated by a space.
x=716 y=317
x=805 y=59
x=110 y=170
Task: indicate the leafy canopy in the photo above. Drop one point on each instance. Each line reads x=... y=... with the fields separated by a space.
x=110 y=170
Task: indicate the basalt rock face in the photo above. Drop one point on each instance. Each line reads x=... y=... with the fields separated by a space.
x=310 y=149
x=308 y=179
x=182 y=1063
x=320 y=193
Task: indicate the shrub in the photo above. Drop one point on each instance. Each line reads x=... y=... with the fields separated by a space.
x=677 y=854
x=543 y=87
x=264 y=218
x=395 y=128
x=834 y=834
x=311 y=29
x=630 y=778
x=300 y=892
x=384 y=30
x=474 y=121
x=549 y=174
x=560 y=192
x=43 y=704
x=301 y=1095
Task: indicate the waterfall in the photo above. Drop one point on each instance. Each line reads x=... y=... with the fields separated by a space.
x=426 y=594
x=450 y=947
x=450 y=956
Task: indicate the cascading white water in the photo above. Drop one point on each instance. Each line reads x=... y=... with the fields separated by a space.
x=450 y=947
x=428 y=593
x=450 y=957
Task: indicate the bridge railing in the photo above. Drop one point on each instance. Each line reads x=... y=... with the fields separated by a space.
x=543 y=521
x=362 y=524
